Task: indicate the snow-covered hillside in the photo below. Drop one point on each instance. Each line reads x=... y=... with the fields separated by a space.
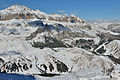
x=57 y=47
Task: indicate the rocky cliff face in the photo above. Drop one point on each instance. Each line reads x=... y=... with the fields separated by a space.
x=65 y=18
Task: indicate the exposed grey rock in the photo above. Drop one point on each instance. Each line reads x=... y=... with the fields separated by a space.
x=49 y=42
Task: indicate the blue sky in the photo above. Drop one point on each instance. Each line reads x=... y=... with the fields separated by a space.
x=88 y=9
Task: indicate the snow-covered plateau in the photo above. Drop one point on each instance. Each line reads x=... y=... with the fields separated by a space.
x=38 y=46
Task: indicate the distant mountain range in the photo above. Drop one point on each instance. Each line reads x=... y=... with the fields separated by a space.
x=103 y=20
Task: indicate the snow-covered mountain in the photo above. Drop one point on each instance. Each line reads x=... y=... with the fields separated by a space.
x=22 y=12
x=54 y=46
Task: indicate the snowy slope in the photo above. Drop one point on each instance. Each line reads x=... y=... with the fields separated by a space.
x=57 y=46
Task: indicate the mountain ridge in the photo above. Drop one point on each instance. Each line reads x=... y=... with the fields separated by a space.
x=22 y=12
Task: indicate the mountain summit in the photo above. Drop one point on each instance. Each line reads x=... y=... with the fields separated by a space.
x=16 y=9
x=18 y=12
x=22 y=12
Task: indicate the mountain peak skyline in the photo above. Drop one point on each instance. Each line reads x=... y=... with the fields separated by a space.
x=87 y=9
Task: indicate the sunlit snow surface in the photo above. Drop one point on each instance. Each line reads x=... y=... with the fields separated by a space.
x=82 y=64
x=14 y=46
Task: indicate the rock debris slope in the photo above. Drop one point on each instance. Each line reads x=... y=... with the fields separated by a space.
x=66 y=47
